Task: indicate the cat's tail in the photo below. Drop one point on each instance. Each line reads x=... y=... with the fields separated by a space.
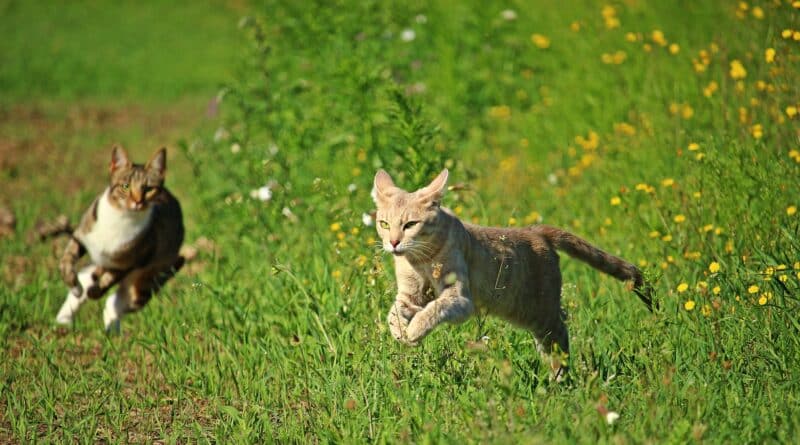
x=580 y=249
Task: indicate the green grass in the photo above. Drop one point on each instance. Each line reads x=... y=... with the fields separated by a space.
x=277 y=332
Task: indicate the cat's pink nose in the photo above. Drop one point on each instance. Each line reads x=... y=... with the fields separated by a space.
x=395 y=242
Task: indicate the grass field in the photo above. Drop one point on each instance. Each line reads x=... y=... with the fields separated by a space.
x=665 y=132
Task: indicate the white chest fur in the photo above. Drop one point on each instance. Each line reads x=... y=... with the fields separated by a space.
x=112 y=230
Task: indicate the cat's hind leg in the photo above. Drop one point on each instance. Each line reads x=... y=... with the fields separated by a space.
x=552 y=341
x=135 y=291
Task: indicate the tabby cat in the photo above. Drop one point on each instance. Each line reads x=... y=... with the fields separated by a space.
x=447 y=269
x=132 y=233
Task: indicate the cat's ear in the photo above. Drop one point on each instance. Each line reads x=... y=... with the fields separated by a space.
x=434 y=191
x=382 y=187
x=158 y=163
x=119 y=158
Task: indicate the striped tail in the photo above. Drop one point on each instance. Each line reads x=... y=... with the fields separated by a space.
x=580 y=249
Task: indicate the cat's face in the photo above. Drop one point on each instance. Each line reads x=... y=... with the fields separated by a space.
x=135 y=187
x=408 y=222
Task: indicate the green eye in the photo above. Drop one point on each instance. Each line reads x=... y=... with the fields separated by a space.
x=125 y=187
x=384 y=225
x=410 y=224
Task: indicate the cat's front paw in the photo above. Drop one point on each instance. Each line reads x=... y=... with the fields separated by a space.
x=397 y=324
x=417 y=329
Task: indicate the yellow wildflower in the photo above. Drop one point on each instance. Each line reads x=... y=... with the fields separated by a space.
x=791 y=111
x=757 y=131
x=769 y=55
x=714 y=267
x=336 y=273
x=762 y=300
x=710 y=88
x=694 y=146
x=575 y=26
x=631 y=37
x=679 y=218
x=666 y=238
x=696 y=195
x=615 y=201
x=753 y=289
x=654 y=234
x=757 y=12
x=737 y=70
x=674 y=48
x=335 y=227
x=716 y=290
x=791 y=210
x=687 y=111
x=786 y=33
x=658 y=37
x=512 y=221
x=540 y=41
x=668 y=182
x=707 y=228
x=689 y=305
x=783 y=278
x=706 y=310
x=500 y=112
x=682 y=288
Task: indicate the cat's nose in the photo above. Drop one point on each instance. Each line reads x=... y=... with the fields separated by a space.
x=394 y=242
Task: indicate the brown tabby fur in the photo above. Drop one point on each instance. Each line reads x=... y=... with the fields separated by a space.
x=142 y=262
x=446 y=269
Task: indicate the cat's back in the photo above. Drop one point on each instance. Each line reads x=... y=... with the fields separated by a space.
x=167 y=222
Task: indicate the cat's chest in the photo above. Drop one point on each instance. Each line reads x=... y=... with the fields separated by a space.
x=112 y=232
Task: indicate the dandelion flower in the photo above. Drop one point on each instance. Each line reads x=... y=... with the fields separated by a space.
x=762 y=300
x=668 y=182
x=658 y=37
x=674 y=48
x=615 y=201
x=541 y=42
x=654 y=234
x=683 y=287
x=757 y=12
x=737 y=70
x=679 y=218
x=757 y=130
x=769 y=55
x=791 y=111
x=706 y=310
x=335 y=227
x=786 y=33
x=753 y=289
x=689 y=305
x=716 y=290
x=713 y=267
x=694 y=146
x=791 y=210
x=666 y=238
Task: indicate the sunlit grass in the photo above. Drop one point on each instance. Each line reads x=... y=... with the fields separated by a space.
x=666 y=134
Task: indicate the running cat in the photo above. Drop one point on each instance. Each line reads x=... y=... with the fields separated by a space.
x=132 y=233
x=446 y=269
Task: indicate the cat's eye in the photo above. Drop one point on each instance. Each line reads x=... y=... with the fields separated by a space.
x=384 y=225
x=410 y=224
x=125 y=187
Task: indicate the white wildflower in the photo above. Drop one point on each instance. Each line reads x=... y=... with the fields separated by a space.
x=236 y=148
x=408 y=35
x=221 y=134
x=366 y=219
x=509 y=14
x=611 y=417
x=552 y=178
x=351 y=188
x=421 y=19
x=261 y=193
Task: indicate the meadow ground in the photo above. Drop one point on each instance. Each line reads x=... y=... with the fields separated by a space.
x=665 y=133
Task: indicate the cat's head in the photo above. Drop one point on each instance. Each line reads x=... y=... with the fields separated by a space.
x=134 y=187
x=409 y=222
